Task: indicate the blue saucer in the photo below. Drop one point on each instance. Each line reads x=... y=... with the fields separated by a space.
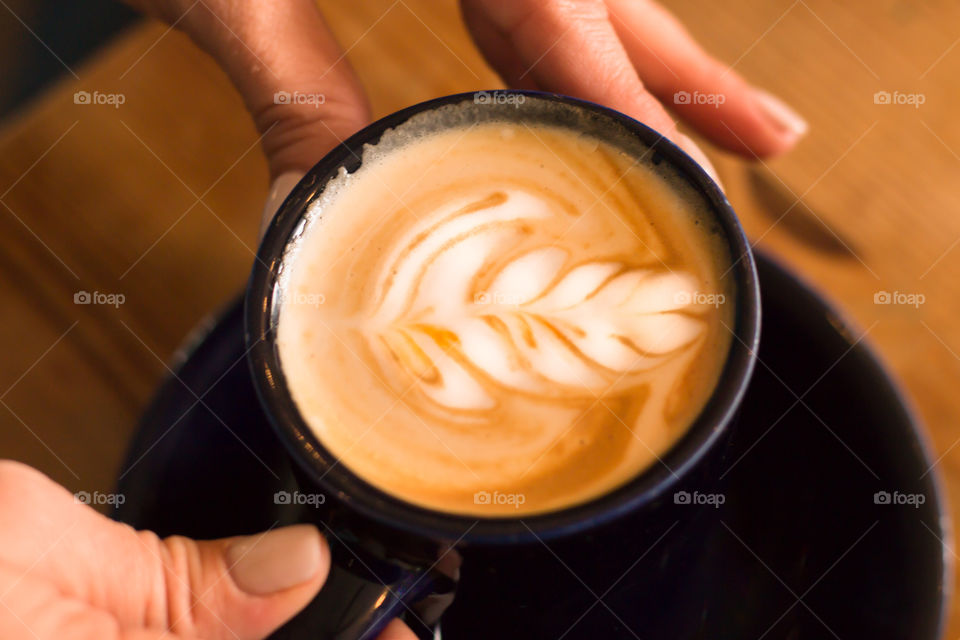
x=820 y=534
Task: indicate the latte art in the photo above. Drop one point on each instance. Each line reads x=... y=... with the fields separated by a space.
x=469 y=313
x=507 y=311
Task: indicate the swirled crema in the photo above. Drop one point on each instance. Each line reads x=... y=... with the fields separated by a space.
x=503 y=319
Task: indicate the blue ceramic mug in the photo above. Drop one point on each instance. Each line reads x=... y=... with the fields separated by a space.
x=391 y=557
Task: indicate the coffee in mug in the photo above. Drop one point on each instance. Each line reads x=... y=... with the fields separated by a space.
x=502 y=318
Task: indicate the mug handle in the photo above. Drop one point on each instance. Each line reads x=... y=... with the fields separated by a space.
x=363 y=593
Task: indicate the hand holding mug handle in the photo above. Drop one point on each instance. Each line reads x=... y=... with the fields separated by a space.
x=68 y=571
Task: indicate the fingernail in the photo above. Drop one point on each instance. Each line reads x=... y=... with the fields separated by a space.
x=279 y=191
x=780 y=114
x=276 y=560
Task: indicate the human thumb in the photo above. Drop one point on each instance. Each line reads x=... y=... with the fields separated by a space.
x=239 y=588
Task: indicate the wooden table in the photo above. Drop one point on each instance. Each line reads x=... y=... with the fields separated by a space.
x=158 y=200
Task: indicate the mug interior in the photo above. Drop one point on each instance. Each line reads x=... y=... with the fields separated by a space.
x=262 y=308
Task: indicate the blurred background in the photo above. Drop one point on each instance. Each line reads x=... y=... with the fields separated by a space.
x=44 y=35
x=158 y=199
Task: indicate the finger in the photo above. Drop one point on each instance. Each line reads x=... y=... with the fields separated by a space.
x=570 y=48
x=235 y=588
x=291 y=73
x=715 y=100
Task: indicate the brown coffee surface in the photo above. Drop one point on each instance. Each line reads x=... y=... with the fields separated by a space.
x=503 y=319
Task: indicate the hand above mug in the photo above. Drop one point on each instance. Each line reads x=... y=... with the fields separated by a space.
x=68 y=572
x=630 y=55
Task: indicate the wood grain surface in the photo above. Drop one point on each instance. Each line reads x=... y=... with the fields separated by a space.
x=159 y=199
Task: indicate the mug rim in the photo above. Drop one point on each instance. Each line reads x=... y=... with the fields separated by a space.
x=324 y=469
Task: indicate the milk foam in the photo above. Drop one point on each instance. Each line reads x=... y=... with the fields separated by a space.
x=507 y=309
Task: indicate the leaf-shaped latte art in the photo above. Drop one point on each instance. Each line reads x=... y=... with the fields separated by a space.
x=475 y=305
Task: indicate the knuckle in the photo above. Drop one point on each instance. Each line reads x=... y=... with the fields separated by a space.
x=334 y=109
x=296 y=136
x=172 y=596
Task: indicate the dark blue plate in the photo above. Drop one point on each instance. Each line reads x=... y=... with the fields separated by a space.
x=810 y=541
